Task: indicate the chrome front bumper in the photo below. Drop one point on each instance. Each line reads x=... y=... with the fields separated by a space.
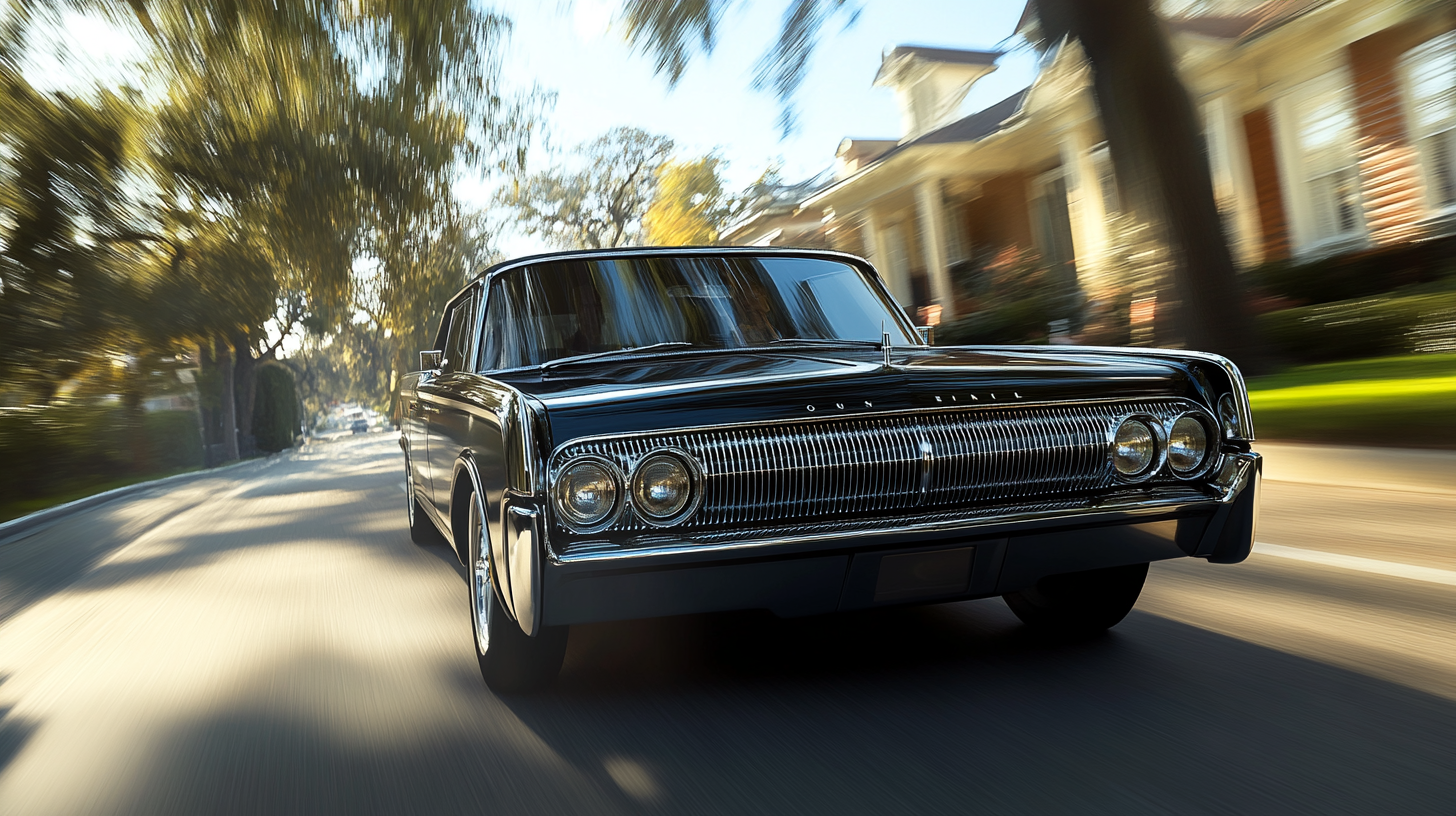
x=1237 y=473
x=836 y=569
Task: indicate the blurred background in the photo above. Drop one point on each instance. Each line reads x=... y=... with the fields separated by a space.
x=227 y=225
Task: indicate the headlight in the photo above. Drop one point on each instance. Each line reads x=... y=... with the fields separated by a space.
x=1187 y=445
x=586 y=493
x=661 y=487
x=1134 y=448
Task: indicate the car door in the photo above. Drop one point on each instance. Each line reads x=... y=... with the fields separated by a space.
x=446 y=420
x=412 y=427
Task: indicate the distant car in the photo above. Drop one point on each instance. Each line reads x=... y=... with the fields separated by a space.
x=623 y=434
x=359 y=426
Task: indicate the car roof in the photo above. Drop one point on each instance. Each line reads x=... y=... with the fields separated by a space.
x=652 y=251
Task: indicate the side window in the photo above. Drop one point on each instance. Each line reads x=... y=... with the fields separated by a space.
x=458 y=336
x=493 y=332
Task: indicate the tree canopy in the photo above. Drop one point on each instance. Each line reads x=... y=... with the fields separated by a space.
x=600 y=203
x=281 y=166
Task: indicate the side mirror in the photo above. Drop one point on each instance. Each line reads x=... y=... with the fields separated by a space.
x=927 y=334
x=430 y=360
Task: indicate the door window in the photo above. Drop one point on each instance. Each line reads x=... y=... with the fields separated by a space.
x=459 y=336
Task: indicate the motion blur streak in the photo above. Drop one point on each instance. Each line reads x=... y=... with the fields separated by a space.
x=1354 y=562
x=267 y=640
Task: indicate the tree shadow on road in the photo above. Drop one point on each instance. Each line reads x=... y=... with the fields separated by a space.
x=956 y=708
x=941 y=709
x=15 y=731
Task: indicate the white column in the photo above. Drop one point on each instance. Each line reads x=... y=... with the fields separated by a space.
x=1084 y=205
x=877 y=246
x=1233 y=183
x=930 y=209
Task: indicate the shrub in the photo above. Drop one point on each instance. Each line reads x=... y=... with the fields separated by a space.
x=275 y=408
x=1016 y=298
x=63 y=446
x=1368 y=327
x=1357 y=274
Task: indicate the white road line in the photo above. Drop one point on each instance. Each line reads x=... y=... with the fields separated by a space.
x=1430 y=575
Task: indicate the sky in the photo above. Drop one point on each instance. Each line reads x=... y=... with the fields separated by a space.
x=574 y=49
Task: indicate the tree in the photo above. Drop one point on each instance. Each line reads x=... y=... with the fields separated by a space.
x=1161 y=161
x=1151 y=128
x=275 y=413
x=689 y=206
x=290 y=139
x=602 y=203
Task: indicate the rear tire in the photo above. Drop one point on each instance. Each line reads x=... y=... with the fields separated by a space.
x=510 y=660
x=1080 y=603
x=422 y=531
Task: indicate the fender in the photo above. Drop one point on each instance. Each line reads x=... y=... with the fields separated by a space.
x=490 y=523
x=514 y=542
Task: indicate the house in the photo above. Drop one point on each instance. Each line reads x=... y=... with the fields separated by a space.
x=1330 y=127
x=776 y=219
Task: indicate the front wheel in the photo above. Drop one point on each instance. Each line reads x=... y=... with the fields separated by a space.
x=510 y=660
x=1080 y=603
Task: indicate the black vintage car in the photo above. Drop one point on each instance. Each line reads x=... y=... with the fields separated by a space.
x=631 y=433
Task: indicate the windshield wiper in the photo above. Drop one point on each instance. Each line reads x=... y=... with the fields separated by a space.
x=597 y=355
x=825 y=341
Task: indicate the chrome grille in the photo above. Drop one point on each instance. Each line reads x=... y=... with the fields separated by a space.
x=878 y=465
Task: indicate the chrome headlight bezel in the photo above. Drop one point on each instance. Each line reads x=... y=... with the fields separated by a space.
x=694 y=472
x=1231 y=423
x=1158 y=432
x=562 y=510
x=1211 y=443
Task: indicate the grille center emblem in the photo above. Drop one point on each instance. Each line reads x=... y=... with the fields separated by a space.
x=927 y=461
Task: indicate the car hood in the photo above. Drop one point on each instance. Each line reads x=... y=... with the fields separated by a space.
x=688 y=389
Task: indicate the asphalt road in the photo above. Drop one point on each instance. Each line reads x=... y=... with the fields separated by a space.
x=267 y=640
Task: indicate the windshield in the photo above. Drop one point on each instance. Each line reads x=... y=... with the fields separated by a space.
x=565 y=309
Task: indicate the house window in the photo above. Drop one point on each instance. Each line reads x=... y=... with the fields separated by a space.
x=1051 y=222
x=1324 y=136
x=1430 y=72
x=1106 y=179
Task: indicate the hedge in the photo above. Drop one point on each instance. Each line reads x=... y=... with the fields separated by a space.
x=1357 y=274
x=275 y=408
x=1368 y=327
x=51 y=449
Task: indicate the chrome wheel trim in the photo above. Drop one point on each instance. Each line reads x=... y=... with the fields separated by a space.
x=480 y=588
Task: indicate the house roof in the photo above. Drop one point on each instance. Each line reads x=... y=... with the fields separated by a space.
x=952 y=56
x=1247 y=25
x=971 y=128
x=1251 y=24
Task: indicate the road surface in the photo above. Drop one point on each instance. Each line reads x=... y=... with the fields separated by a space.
x=268 y=641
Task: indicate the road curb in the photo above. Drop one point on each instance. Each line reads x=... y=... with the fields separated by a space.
x=16 y=528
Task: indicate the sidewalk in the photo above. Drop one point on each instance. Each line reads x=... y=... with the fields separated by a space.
x=1416 y=471
x=18 y=528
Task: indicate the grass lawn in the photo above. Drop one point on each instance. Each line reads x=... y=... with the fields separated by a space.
x=1407 y=401
x=11 y=509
